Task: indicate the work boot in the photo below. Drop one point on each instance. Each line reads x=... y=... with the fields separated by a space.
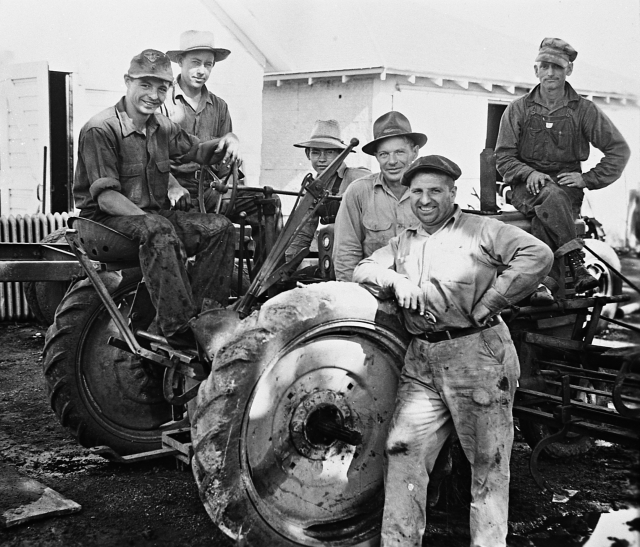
x=583 y=281
x=541 y=297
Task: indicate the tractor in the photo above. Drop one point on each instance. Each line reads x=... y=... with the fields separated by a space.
x=283 y=406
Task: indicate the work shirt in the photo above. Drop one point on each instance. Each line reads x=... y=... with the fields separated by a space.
x=210 y=120
x=341 y=181
x=114 y=155
x=457 y=269
x=534 y=138
x=369 y=216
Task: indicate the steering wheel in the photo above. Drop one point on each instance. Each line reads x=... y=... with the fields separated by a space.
x=220 y=188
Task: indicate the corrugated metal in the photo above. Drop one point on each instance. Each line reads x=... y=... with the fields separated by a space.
x=23 y=229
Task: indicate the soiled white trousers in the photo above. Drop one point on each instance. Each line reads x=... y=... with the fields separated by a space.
x=467 y=383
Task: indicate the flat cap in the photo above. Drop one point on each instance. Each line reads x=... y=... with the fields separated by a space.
x=151 y=63
x=555 y=50
x=432 y=163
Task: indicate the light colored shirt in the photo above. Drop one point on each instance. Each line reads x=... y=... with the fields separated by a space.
x=470 y=260
x=369 y=216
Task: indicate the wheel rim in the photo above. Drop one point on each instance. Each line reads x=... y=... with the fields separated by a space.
x=308 y=486
x=123 y=393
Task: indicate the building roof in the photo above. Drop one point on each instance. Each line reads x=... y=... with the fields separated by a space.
x=346 y=37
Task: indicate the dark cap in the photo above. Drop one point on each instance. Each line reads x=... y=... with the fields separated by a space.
x=557 y=51
x=392 y=124
x=151 y=63
x=431 y=163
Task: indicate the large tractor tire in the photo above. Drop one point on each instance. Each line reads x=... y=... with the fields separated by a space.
x=103 y=395
x=43 y=297
x=267 y=474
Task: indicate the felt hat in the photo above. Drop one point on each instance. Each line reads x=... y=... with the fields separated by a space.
x=431 y=163
x=325 y=134
x=151 y=63
x=392 y=124
x=557 y=51
x=192 y=40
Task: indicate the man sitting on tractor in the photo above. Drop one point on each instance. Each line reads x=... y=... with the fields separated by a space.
x=543 y=138
x=376 y=207
x=123 y=181
x=322 y=147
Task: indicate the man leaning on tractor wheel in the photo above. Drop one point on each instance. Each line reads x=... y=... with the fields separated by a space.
x=461 y=369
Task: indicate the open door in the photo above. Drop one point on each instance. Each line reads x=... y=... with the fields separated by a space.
x=24 y=139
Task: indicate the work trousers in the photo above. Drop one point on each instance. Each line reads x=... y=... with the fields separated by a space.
x=467 y=383
x=552 y=212
x=166 y=239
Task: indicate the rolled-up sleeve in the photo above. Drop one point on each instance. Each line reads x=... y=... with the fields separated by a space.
x=377 y=273
x=97 y=151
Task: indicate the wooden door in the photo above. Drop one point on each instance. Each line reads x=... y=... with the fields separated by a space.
x=24 y=138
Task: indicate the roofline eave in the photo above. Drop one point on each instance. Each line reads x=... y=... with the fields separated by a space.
x=436 y=77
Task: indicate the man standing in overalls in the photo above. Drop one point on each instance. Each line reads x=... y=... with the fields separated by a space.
x=542 y=140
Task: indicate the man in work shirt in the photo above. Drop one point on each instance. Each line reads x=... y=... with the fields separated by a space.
x=123 y=181
x=543 y=138
x=461 y=368
x=376 y=208
x=322 y=147
x=205 y=115
x=198 y=111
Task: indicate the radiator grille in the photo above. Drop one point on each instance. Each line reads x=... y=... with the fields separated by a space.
x=23 y=229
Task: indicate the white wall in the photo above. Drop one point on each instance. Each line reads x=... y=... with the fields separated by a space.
x=96 y=39
x=454 y=120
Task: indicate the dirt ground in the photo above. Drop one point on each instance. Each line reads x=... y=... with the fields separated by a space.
x=157 y=504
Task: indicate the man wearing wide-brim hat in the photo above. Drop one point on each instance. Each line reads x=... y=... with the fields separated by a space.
x=376 y=207
x=321 y=148
x=543 y=139
x=198 y=111
x=205 y=115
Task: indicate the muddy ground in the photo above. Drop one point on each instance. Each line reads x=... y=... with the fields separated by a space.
x=155 y=503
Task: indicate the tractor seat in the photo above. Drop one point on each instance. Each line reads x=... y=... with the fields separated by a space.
x=104 y=244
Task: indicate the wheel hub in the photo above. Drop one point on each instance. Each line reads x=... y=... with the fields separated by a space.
x=309 y=434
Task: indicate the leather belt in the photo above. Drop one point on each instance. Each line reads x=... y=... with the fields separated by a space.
x=442 y=335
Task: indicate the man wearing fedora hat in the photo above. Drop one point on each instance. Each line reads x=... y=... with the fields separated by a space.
x=543 y=138
x=322 y=147
x=123 y=181
x=376 y=207
x=452 y=275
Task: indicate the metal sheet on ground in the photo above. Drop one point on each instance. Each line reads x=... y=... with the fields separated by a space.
x=23 y=499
